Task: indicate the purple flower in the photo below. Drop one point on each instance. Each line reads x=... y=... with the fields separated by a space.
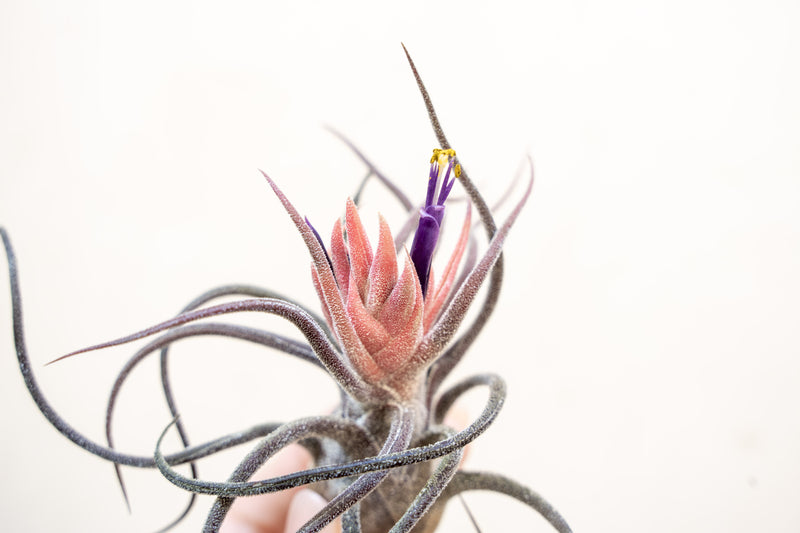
x=430 y=216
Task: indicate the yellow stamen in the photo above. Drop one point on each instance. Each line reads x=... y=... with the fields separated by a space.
x=439 y=152
x=444 y=158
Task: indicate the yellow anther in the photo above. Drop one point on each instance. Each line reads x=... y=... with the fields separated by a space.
x=439 y=152
x=444 y=158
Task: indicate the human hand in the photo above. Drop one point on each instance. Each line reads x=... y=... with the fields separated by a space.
x=286 y=511
x=279 y=512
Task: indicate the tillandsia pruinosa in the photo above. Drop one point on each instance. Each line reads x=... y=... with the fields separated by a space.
x=389 y=336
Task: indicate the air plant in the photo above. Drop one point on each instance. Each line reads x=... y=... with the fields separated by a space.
x=391 y=332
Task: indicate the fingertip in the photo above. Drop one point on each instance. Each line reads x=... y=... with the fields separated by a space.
x=305 y=504
x=267 y=513
x=458 y=419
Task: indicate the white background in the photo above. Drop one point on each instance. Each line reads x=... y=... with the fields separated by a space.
x=648 y=328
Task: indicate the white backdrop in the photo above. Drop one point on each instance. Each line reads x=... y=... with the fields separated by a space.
x=648 y=326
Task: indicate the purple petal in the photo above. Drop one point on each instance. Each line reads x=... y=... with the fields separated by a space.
x=424 y=243
x=433 y=178
x=447 y=186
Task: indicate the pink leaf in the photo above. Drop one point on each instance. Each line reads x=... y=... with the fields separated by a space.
x=383 y=273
